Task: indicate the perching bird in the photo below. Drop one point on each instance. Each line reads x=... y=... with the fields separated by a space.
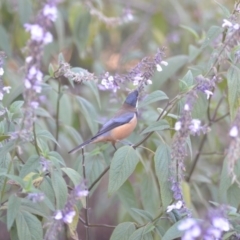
x=118 y=127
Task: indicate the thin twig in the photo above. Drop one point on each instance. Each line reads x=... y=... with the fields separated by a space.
x=97 y=180
x=87 y=197
x=35 y=139
x=58 y=111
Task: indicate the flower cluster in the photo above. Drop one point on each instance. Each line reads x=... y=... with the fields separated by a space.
x=68 y=72
x=3 y=89
x=66 y=215
x=206 y=85
x=126 y=16
x=139 y=76
x=39 y=37
x=212 y=227
x=36 y=197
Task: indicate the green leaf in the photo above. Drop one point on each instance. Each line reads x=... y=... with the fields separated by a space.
x=60 y=58
x=162 y=160
x=73 y=175
x=187 y=81
x=148 y=188
x=143 y=233
x=94 y=167
x=191 y=30
x=233 y=81
x=56 y=158
x=144 y=214
x=122 y=166
x=95 y=91
x=28 y=227
x=123 y=231
x=153 y=97
x=156 y=126
x=47 y=189
x=60 y=189
x=4 y=137
x=41 y=112
x=25 y=11
x=31 y=165
x=36 y=208
x=5 y=43
x=212 y=34
x=226 y=12
x=128 y=199
x=15 y=107
x=173 y=232
x=89 y=113
x=13 y=206
x=42 y=134
x=193 y=52
x=174 y=64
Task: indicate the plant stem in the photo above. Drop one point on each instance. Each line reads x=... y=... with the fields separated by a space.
x=58 y=111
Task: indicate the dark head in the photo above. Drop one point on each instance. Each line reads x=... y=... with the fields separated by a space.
x=132 y=98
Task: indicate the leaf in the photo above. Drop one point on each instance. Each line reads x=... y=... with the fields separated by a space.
x=123 y=231
x=143 y=233
x=88 y=112
x=72 y=227
x=193 y=52
x=60 y=189
x=5 y=43
x=56 y=158
x=226 y=12
x=42 y=134
x=4 y=137
x=187 y=81
x=191 y=30
x=156 y=126
x=41 y=112
x=36 y=208
x=148 y=188
x=48 y=191
x=174 y=64
x=73 y=175
x=144 y=214
x=153 y=97
x=212 y=34
x=31 y=164
x=28 y=226
x=13 y=206
x=122 y=166
x=173 y=232
x=15 y=107
x=128 y=199
x=162 y=160
x=25 y=11
x=233 y=81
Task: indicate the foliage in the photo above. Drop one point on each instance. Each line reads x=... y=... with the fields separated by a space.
x=67 y=66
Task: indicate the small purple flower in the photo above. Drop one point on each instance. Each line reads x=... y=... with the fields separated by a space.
x=68 y=217
x=1 y=71
x=233 y=131
x=50 y=12
x=36 y=197
x=36 y=31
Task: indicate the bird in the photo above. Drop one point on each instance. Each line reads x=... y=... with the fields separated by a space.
x=119 y=127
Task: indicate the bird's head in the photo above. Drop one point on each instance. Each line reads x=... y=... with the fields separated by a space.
x=132 y=98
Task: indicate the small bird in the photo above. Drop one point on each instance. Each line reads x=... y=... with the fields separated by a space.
x=118 y=127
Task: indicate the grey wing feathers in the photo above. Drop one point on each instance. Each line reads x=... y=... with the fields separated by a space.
x=115 y=122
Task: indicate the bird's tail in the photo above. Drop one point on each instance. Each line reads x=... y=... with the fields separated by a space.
x=81 y=146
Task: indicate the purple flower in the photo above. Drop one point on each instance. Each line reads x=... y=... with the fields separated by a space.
x=50 y=12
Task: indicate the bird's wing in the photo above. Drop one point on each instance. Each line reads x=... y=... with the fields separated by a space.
x=115 y=122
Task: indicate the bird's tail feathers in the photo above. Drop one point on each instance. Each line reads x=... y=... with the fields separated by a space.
x=80 y=146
